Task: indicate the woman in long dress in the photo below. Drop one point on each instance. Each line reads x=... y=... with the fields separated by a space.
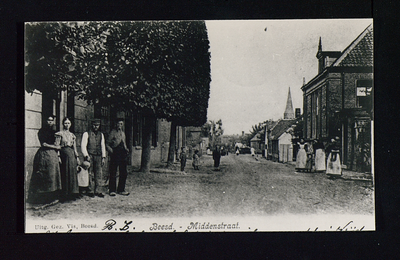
x=45 y=182
x=320 y=163
x=301 y=158
x=69 y=162
x=333 y=163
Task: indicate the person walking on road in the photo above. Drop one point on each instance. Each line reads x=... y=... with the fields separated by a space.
x=252 y=151
x=94 y=151
x=217 y=157
x=116 y=146
x=182 y=158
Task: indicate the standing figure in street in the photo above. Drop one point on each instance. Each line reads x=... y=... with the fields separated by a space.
x=116 y=146
x=69 y=162
x=196 y=160
x=45 y=182
x=217 y=157
x=310 y=154
x=320 y=163
x=333 y=164
x=93 y=147
x=182 y=158
x=301 y=158
x=252 y=151
x=237 y=151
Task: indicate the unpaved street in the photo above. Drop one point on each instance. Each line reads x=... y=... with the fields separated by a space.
x=245 y=186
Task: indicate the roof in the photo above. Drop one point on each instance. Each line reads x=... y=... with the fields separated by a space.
x=256 y=138
x=360 y=52
x=281 y=127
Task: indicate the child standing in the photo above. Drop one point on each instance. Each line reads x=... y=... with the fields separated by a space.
x=196 y=160
x=182 y=158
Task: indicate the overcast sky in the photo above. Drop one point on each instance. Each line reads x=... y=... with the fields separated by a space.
x=254 y=62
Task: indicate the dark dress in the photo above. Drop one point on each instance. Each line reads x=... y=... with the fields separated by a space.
x=46 y=179
x=69 y=179
x=216 y=157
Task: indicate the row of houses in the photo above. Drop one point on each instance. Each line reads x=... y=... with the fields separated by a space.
x=337 y=103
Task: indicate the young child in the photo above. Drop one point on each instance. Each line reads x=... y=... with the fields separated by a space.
x=196 y=160
x=83 y=177
x=182 y=158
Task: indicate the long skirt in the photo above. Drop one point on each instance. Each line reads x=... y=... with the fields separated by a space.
x=333 y=164
x=69 y=179
x=320 y=160
x=46 y=179
x=301 y=159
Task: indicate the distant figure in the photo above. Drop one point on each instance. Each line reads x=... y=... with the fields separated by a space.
x=333 y=164
x=301 y=158
x=217 y=157
x=182 y=158
x=252 y=151
x=196 y=160
x=237 y=151
x=310 y=154
x=320 y=163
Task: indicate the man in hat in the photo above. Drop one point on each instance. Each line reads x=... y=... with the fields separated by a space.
x=116 y=146
x=93 y=147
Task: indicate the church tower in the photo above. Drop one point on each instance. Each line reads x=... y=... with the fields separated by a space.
x=289 y=112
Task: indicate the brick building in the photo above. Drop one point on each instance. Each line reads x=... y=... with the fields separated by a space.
x=338 y=102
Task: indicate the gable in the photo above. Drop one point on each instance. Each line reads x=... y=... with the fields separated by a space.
x=359 y=53
x=281 y=128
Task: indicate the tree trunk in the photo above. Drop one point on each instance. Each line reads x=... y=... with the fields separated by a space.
x=172 y=141
x=146 y=144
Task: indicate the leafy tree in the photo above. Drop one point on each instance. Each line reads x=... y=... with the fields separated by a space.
x=146 y=67
x=213 y=129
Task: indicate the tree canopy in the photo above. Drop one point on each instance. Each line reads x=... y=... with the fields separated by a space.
x=158 y=68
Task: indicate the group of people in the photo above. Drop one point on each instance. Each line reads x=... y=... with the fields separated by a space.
x=323 y=158
x=56 y=163
x=196 y=158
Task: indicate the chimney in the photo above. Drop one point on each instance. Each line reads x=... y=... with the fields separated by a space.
x=325 y=58
x=242 y=133
x=298 y=112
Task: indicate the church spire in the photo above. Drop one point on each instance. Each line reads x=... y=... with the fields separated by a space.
x=289 y=112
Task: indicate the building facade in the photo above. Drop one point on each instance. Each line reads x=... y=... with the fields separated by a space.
x=38 y=106
x=338 y=102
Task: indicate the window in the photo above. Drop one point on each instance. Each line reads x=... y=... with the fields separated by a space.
x=137 y=131
x=103 y=113
x=364 y=94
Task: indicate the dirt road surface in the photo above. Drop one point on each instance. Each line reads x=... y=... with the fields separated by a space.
x=244 y=186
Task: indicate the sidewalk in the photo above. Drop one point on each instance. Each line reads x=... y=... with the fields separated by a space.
x=350 y=175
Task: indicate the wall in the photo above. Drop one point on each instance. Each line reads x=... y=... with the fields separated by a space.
x=33 y=122
x=158 y=153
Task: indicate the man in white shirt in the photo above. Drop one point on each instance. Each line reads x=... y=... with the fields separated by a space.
x=94 y=151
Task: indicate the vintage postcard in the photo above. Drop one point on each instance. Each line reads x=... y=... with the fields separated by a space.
x=199 y=126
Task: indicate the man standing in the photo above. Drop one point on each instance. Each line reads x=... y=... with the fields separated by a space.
x=94 y=151
x=217 y=157
x=116 y=146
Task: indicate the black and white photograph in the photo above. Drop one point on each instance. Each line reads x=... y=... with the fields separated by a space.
x=163 y=126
